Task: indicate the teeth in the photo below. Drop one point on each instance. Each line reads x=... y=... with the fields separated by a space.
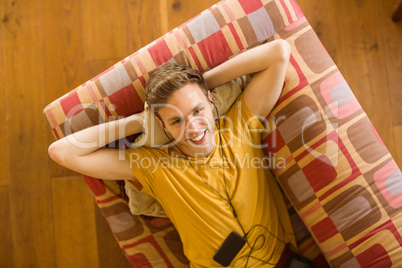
x=199 y=137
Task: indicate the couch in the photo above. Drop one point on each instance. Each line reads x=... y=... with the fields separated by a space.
x=342 y=186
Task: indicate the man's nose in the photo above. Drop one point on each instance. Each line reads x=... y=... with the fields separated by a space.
x=194 y=123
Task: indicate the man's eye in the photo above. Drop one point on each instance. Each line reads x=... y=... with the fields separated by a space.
x=176 y=122
x=197 y=111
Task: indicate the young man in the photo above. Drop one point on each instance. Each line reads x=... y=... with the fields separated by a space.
x=207 y=185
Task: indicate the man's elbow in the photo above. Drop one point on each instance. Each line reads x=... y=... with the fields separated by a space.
x=55 y=153
x=283 y=50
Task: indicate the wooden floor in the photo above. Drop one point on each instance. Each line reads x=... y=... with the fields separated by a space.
x=49 y=47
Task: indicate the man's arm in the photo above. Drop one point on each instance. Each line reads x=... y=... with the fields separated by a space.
x=83 y=152
x=267 y=64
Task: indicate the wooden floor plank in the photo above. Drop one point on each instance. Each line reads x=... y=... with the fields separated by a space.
x=74 y=223
x=3 y=126
x=63 y=56
x=180 y=11
x=143 y=23
x=396 y=151
x=104 y=29
x=393 y=42
x=6 y=245
x=30 y=193
x=164 y=23
x=392 y=37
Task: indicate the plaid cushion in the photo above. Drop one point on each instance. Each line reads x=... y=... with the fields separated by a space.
x=325 y=153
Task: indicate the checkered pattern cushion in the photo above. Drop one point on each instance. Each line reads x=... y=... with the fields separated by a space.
x=326 y=155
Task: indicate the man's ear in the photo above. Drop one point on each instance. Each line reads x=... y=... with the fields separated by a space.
x=160 y=122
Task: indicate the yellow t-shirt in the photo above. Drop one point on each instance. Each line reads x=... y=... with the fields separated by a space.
x=202 y=217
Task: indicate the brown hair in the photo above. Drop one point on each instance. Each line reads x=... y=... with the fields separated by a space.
x=168 y=78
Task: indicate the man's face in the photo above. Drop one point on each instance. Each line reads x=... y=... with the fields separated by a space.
x=189 y=121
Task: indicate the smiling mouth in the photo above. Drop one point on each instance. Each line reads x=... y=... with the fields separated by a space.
x=199 y=137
